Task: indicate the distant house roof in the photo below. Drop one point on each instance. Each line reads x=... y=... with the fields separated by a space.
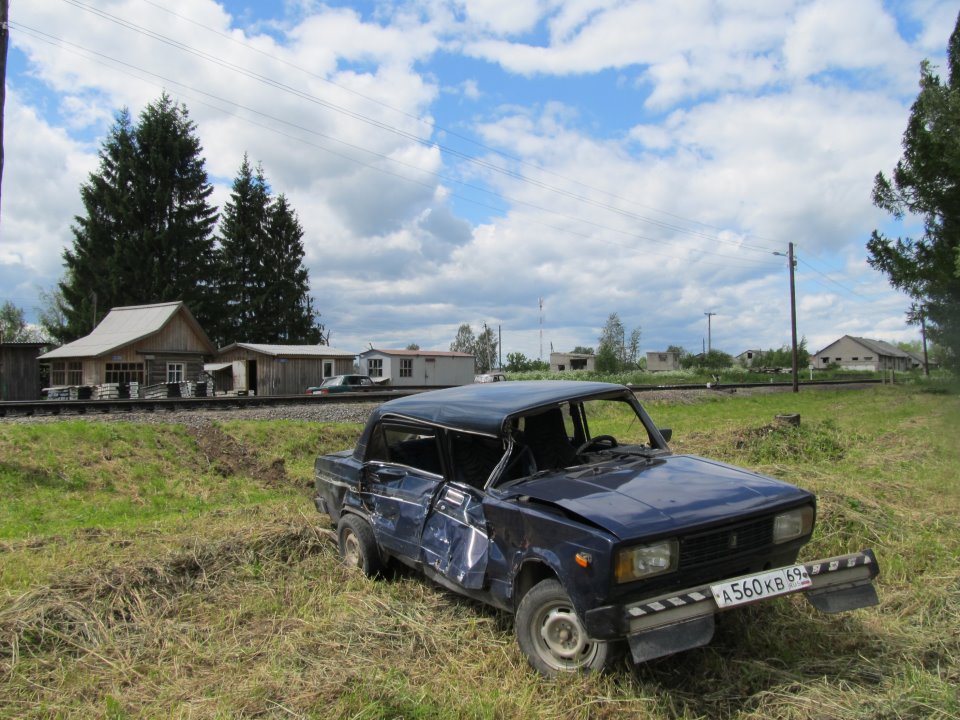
x=126 y=325
x=881 y=348
x=878 y=347
x=290 y=350
x=416 y=353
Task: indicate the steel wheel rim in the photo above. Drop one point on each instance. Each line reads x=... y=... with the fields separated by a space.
x=560 y=638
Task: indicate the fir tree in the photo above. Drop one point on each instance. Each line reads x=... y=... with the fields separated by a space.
x=263 y=284
x=240 y=257
x=146 y=235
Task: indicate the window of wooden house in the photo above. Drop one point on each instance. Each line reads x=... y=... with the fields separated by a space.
x=175 y=372
x=406 y=367
x=66 y=373
x=124 y=373
x=375 y=367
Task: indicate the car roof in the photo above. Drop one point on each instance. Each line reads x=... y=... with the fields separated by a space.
x=484 y=407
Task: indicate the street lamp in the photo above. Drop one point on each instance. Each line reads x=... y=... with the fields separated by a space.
x=793 y=315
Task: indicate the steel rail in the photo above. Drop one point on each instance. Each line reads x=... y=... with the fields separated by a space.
x=29 y=408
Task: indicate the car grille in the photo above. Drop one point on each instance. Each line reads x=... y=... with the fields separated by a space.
x=725 y=543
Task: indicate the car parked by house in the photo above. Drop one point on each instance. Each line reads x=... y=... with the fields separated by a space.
x=342 y=383
x=561 y=502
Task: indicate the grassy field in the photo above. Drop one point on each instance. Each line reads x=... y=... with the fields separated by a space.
x=155 y=571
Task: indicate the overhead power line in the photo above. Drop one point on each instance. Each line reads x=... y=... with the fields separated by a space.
x=104 y=59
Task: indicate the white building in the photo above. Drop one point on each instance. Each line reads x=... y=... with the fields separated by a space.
x=418 y=367
x=858 y=353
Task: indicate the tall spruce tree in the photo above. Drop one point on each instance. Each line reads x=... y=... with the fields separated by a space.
x=262 y=281
x=240 y=256
x=926 y=183
x=286 y=298
x=146 y=235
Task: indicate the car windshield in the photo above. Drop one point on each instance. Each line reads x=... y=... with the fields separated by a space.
x=615 y=418
x=576 y=433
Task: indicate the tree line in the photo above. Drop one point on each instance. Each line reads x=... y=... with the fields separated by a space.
x=150 y=234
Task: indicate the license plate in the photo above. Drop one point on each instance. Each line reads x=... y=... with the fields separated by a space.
x=760 y=586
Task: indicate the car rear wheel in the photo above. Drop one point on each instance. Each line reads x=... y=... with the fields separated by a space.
x=358 y=546
x=551 y=635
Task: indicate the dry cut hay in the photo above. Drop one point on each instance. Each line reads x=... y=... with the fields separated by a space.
x=80 y=613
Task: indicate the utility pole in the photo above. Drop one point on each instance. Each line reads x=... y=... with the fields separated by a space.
x=541 y=328
x=923 y=334
x=793 y=316
x=4 y=41
x=709 y=343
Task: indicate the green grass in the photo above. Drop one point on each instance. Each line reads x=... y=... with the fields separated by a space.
x=149 y=571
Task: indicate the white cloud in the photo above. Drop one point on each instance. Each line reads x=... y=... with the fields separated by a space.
x=742 y=126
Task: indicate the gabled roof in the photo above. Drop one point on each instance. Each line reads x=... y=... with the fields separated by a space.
x=320 y=351
x=416 y=353
x=878 y=347
x=126 y=325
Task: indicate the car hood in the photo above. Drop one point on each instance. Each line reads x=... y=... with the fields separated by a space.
x=660 y=495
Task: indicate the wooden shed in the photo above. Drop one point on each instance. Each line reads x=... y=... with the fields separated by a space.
x=277 y=369
x=146 y=344
x=20 y=377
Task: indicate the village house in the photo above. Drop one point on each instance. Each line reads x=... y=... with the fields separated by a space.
x=20 y=376
x=276 y=369
x=663 y=361
x=418 y=367
x=144 y=344
x=858 y=353
x=561 y=362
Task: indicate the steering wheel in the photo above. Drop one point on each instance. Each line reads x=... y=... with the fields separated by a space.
x=600 y=442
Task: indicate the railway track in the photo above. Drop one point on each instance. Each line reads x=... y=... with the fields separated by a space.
x=27 y=408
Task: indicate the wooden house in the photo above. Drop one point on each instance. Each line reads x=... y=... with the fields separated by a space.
x=146 y=344
x=20 y=376
x=277 y=369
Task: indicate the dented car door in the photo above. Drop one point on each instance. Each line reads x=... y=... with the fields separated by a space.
x=455 y=540
x=400 y=480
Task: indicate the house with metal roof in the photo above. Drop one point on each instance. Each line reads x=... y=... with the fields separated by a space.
x=858 y=353
x=277 y=369
x=418 y=367
x=146 y=344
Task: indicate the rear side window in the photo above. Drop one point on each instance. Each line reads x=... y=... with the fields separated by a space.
x=409 y=445
x=474 y=458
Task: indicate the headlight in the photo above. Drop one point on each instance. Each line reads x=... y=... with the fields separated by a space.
x=793 y=524
x=643 y=561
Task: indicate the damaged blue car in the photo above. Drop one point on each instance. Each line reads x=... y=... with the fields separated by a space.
x=561 y=502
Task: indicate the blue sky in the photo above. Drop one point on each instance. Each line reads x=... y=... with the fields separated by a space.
x=457 y=161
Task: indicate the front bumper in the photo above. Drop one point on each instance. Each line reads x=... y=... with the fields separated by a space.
x=684 y=619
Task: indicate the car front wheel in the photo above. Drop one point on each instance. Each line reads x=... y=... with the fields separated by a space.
x=358 y=546
x=551 y=635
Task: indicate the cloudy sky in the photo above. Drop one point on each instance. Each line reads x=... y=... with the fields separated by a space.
x=459 y=161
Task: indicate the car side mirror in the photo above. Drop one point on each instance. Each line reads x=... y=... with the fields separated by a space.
x=667 y=433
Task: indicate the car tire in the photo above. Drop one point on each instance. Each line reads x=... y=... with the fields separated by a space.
x=358 y=546
x=552 y=636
